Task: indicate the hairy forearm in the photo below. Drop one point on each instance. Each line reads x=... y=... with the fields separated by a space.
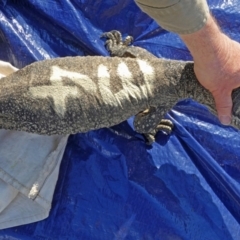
x=207 y=43
x=216 y=66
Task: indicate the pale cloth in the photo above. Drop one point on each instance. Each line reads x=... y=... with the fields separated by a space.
x=29 y=167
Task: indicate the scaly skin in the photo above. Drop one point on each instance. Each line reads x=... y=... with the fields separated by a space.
x=78 y=94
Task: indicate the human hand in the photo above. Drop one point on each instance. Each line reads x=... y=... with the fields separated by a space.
x=216 y=65
x=220 y=76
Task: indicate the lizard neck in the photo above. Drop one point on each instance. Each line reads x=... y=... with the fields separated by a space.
x=170 y=84
x=189 y=87
x=176 y=80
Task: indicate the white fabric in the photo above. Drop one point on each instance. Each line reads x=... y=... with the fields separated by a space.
x=29 y=167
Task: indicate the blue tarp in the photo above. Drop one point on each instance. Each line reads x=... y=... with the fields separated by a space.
x=111 y=184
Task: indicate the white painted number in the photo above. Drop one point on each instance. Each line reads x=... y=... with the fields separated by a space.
x=60 y=92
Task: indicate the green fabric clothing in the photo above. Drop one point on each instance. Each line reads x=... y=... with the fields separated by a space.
x=179 y=16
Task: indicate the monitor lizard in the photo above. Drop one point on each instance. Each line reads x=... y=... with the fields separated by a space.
x=77 y=94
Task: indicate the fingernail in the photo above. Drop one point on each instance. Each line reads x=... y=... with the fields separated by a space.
x=225 y=120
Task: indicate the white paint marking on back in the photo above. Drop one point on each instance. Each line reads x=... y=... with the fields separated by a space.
x=59 y=92
x=104 y=86
x=129 y=87
x=149 y=76
x=127 y=81
x=78 y=78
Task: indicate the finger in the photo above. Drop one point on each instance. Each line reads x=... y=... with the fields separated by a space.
x=224 y=107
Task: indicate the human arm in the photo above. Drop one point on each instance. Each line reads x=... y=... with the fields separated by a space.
x=215 y=55
x=216 y=64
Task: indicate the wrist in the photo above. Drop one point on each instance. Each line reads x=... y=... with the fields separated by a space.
x=207 y=44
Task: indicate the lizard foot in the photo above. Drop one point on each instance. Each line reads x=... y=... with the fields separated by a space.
x=147 y=122
x=115 y=43
x=119 y=47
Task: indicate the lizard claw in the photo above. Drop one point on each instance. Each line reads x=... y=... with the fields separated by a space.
x=166 y=126
x=128 y=41
x=150 y=138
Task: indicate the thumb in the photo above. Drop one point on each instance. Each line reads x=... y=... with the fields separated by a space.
x=224 y=107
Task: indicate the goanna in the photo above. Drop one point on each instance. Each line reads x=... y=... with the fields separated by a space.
x=77 y=94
